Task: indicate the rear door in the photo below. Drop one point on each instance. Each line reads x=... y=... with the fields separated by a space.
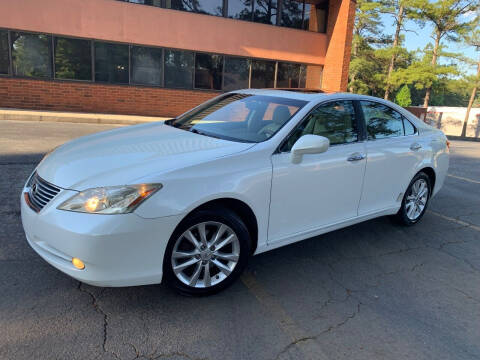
x=394 y=151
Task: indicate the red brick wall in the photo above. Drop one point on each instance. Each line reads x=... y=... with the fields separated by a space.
x=97 y=98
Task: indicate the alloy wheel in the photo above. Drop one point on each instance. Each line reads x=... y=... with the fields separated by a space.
x=205 y=254
x=417 y=199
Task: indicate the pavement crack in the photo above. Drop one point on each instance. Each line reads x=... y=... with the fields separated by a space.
x=98 y=309
x=294 y=343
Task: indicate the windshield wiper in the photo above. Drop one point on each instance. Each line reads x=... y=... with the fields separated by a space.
x=200 y=132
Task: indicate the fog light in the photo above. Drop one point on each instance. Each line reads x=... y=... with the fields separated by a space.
x=78 y=263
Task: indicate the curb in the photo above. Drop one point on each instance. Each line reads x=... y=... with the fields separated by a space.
x=47 y=116
x=454 y=137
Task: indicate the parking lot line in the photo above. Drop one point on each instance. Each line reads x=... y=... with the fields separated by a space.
x=460 y=222
x=310 y=349
x=464 y=178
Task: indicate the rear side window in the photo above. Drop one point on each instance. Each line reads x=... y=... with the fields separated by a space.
x=409 y=128
x=335 y=121
x=381 y=120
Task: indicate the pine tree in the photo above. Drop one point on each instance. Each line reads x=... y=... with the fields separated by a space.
x=403 y=97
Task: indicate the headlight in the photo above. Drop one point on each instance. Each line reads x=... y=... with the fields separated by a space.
x=110 y=200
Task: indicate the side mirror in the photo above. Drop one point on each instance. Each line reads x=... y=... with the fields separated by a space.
x=308 y=144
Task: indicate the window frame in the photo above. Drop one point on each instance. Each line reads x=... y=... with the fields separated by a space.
x=92 y=59
x=130 y=65
x=358 y=122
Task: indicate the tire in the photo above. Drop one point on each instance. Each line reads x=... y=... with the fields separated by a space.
x=204 y=255
x=411 y=211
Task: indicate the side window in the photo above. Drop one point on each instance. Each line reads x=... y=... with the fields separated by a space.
x=409 y=128
x=381 y=120
x=335 y=120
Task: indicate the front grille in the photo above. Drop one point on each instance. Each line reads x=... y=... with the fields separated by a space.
x=40 y=192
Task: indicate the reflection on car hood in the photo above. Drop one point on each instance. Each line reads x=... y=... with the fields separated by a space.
x=126 y=155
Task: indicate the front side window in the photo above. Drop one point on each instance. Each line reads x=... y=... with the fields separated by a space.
x=31 y=55
x=73 y=59
x=381 y=120
x=146 y=65
x=336 y=121
x=208 y=71
x=4 y=59
x=178 y=69
x=111 y=63
x=240 y=117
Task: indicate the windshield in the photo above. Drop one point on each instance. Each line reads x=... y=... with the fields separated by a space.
x=240 y=117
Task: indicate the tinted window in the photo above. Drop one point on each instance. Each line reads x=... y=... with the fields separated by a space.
x=302 y=78
x=145 y=2
x=236 y=73
x=31 y=55
x=240 y=117
x=263 y=74
x=240 y=9
x=409 y=128
x=381 y=120
x=265 y=11
x=208 y=71
x=146 y=65
x=288 y=75
x=292 y=14
x=178 y=69
x=335 y=120
x=212 y=7
x=73 y=59
x=111 y=63
x=4 y=59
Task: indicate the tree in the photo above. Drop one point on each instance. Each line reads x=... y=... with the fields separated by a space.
x=403 y=97
x=473 y=39
x=448 y=20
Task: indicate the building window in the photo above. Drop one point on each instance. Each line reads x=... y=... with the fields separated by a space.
x=265 y=11
x=302 y=78
x=241 y=9
x=263 y=74
x=146 y=65
x=288 y=75
x=31 y=55
x=111 y=63
x=73 y=59
x=236 y=73
x=210 y=7
x=157 y=3
x=4 y=57
x=208 y=71
x=178 y=69
x=292 y=14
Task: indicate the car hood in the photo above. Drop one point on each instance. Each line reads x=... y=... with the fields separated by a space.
x=130 y=155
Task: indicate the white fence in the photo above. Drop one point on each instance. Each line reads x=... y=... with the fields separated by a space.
x=450 y=120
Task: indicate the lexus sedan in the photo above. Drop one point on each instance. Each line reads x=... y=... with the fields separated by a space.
x=189 y=200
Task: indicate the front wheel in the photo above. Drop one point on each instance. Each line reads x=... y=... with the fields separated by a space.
x=415 y=200
x=207 y=252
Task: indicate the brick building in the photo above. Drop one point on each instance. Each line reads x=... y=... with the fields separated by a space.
x=162 y=57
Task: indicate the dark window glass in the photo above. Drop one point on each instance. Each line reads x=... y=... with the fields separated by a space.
x=239 y=117
x=73 y=59
x=265 y=11
x=240 y=9
x=236 y=73
x=208 y=71
x=292 y=14
x=111 y=63
x=31 y=55
x=263 y=74
x=211 y=7
x=288 y=75
x=320 y=12
x=306 y=16
x=146 y=65
x=178 y=69
x=302 y=78
x=145 y=2
x=335 y=120
x=4 y=58
x=382 y=121
x=409 y=128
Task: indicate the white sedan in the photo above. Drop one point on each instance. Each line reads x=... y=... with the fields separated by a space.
x=191 y=199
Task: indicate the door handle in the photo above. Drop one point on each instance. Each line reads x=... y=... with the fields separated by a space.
x=415 y=146
x=356 y=157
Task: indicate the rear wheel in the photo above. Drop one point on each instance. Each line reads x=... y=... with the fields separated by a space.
x=415 y=200
x=207 y=252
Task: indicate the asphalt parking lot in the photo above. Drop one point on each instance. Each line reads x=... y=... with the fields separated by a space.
x=370 y=291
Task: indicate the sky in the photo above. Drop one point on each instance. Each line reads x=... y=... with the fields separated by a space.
x=422 y=36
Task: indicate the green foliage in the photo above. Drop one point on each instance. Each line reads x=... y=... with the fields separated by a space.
x=403 y=97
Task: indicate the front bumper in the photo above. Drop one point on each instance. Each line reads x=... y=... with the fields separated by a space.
x=118 y=250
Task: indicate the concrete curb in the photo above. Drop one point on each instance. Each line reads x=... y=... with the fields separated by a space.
x=54 y=116
x=454 y=137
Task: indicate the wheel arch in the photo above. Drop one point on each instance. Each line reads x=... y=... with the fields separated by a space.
x=431 y=175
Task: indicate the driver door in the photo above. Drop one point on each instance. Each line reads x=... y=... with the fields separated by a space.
x=323 y=189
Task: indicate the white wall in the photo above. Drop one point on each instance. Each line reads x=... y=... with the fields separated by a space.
x=450 y=120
